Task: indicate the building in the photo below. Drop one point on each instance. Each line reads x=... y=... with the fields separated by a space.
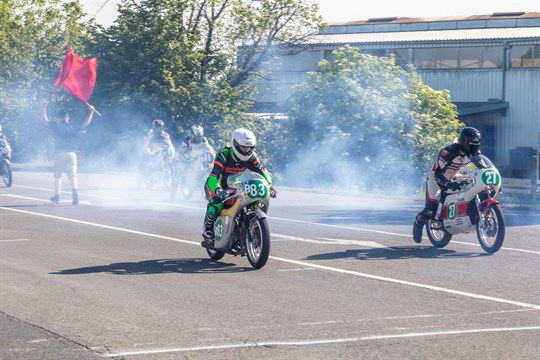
x=489 y=63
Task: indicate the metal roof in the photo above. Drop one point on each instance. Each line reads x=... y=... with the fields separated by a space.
x=396 y=20
x=525 y=33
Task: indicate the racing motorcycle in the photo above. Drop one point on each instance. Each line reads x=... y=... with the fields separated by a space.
x=241 y=227
x=5 y=164
x=191 y=177
x=473 y=206
x=157 y=167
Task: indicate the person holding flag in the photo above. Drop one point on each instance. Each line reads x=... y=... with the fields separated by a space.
x=66 y=135
x=78 y=77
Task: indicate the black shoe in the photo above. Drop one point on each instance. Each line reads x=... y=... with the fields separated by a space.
x=75 y=197
x=417 y=232
x=208 y=238
x=209 y=244
x=55 y=199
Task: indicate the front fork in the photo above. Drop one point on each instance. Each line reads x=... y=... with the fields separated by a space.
x=479 y=209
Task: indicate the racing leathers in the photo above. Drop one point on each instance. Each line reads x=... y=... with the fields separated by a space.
x=153 y=141
x=225 y=164
x=449 y=161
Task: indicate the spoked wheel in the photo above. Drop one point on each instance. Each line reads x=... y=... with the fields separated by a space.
x=215 y=254
x=437 y=234
x=490 y=232
x=7 y=175
x=167 y=177
x=258 y=243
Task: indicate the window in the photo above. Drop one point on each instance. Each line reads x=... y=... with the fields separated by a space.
x=446 y=58
x=450 y=58
x=424 y=59
x=402 y=56
x=470 y=58
x=493 y=57
x=525 y=56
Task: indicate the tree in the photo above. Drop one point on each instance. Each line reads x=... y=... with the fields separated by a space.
x=369 y=121
x=192 y=61
x=33 y=39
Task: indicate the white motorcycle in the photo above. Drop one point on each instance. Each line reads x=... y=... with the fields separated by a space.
x=241 y=227
x=191 y=173
x=474 y=206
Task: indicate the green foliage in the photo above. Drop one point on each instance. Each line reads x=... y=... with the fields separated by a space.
x=369 y=115
x=33 y=39
x=187 y=61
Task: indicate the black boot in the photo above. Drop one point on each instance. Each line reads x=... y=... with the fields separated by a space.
x=419 y=223
x=417 y=229
x=208 y=232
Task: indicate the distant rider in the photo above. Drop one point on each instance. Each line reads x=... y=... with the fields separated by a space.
x=158 y=136
x=194 y=139
x=4 y=143
x=234 y=158
x=450 y=160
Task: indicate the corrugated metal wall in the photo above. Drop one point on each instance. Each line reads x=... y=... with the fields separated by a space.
x=520 y=126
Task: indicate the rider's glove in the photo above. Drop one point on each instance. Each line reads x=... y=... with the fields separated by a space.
x=273 y=191
x=454 y=185
x=220 y=195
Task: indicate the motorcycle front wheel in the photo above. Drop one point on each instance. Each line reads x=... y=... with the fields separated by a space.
x=7 y=175
x=437 y=234
x=258 y=243
x=215 y=254
x=491 y=231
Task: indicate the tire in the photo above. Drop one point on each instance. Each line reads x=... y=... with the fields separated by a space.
x=438 y=237
x=215 y=254
x=258 y=243
x=491 y=235
x=7 y=175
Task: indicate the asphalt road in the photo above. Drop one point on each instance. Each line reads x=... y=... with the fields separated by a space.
x=123 y=276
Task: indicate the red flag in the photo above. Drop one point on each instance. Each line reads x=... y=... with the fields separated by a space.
x=77 y=76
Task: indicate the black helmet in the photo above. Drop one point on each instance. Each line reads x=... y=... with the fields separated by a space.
x=158 y=125
x=469 y=140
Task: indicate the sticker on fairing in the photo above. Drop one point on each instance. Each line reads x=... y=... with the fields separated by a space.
x=218 y=230
x=451 y=211
x=256 y=189
x=491 y=177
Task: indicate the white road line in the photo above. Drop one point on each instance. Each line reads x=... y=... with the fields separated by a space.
x=299 y=221
x=300 y=263
x=389 y=233
x=11 y=240
x=320 y=341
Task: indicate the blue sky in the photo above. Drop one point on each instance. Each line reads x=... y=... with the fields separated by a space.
x=347 y=10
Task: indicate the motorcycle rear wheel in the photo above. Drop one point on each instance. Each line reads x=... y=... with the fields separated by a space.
x=258 y=243
x=438 y=236
x=7 y=175
x=491 y=232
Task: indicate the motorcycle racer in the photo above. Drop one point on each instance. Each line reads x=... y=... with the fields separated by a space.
x=194 y=139
x=158 y=135
x=449 y=161
x=234 y=158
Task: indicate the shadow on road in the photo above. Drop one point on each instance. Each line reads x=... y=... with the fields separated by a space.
x=396 y=253
x=405 y=216
x=159 y=266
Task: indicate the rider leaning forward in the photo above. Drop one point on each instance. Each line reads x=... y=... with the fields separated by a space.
x=232 y=159
x=450 y=160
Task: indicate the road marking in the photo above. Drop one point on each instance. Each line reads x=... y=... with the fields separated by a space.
x=296 y=221
x=391 y=233
x=330 y=241
x=11 y=240
x=320 y=341
x=296 y=262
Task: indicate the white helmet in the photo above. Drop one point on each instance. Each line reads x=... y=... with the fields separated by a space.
x=197 y=130
x=243 y=137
